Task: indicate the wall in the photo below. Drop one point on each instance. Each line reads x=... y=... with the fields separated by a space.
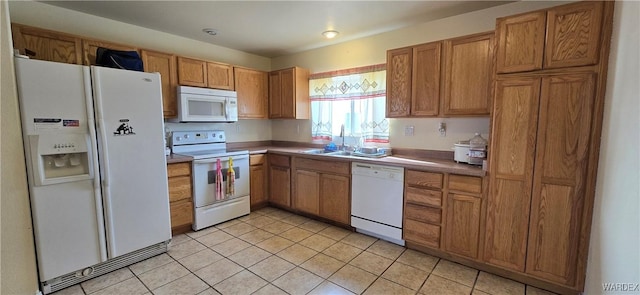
x=18 y=275
x=614 y=255
x=241 y=131
x=372 y=50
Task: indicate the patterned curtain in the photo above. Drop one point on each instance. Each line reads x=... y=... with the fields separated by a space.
x=353 y=97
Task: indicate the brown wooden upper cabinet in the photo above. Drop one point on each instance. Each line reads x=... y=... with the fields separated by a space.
x=47 y=45
x=89 y=48
x=413 y=80
x=165 y=64
x=563 y=36
x=399 y=63
x=422 y=81
x=468 y=75
x=200 y=73
x=252 y=87
x=289 y=94
x=425 y=79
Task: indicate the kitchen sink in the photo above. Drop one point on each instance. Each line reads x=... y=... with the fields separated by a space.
x=343 y=153
x=318 y=152
x=340 y=153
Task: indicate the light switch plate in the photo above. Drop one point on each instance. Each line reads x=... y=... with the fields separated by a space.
x=408 y=130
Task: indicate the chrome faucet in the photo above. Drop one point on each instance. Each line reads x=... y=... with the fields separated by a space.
x=342 y=147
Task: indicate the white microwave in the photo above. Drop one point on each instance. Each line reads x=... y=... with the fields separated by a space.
x=206 y=105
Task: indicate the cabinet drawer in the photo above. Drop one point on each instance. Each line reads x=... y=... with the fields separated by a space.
x=423 y=233
x=423 y=213
x=279 y=160
x=178 y=169
x=423 y=196
x=181 y=213
x=470 y=184
x=327 y=166
x=424 y=179
x=179 y=188
x=257 y=159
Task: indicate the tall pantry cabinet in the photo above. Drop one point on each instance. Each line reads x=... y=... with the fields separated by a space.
x=546 y=126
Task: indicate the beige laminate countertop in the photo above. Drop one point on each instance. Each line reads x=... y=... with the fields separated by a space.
x=175 y=158
x=424 y=164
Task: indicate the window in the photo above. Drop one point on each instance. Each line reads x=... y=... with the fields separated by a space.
x=354 y=98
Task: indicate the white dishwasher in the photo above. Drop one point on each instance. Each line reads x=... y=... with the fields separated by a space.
x=376 y=200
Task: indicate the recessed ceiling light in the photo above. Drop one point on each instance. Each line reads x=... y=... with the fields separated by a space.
x=211 y=32
x=330 y=34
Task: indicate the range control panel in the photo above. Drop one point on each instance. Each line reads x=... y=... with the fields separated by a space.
x=198 y=137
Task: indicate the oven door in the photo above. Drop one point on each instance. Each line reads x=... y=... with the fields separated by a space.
x=204 y=177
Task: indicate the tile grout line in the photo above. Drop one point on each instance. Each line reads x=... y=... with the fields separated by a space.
x=293 y=221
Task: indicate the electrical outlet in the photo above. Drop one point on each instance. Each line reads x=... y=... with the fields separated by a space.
x=442 y=128
x=408 y=130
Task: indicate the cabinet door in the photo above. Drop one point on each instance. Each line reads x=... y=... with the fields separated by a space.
x=515 y=121
x=192 y=72
x=45 y=45
x=468 y=66
x=219 y=76
x=307 y=191
x=573 y=35
x=520 y=42
x=89 y=48
x=288 y=93
x=165 y=64
x=181 y=213
x=257 y=185
x=275 y=95
x=252 y=88
x=399 y=82
x=462 y=228
x=425 y=80
x=334 y=198
x=562 y=155
x=280 y=186
x=179 y=188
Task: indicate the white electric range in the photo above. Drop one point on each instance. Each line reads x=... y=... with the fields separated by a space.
x=206 y=148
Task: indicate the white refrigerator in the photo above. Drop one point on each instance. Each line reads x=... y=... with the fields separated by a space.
x=94 y=146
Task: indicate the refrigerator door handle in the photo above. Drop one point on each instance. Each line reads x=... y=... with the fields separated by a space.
x=94 y=163
x=104 y=161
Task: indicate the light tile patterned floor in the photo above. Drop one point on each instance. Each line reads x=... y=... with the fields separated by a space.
x=272 y=251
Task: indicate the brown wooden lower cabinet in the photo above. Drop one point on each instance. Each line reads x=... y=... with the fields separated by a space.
x=279 y=180
x=181 y=214
x=180 y=196
x=335 y=200
x=452 y=225
x=258 y=181
x=322 y=188
x=307 y=196
x=462 y=228
x=422 y=233
x=423 y=208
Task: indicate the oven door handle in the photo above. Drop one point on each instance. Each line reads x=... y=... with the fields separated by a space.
x=213 y=160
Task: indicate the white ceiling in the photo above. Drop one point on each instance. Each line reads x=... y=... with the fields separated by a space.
x=274 y=28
